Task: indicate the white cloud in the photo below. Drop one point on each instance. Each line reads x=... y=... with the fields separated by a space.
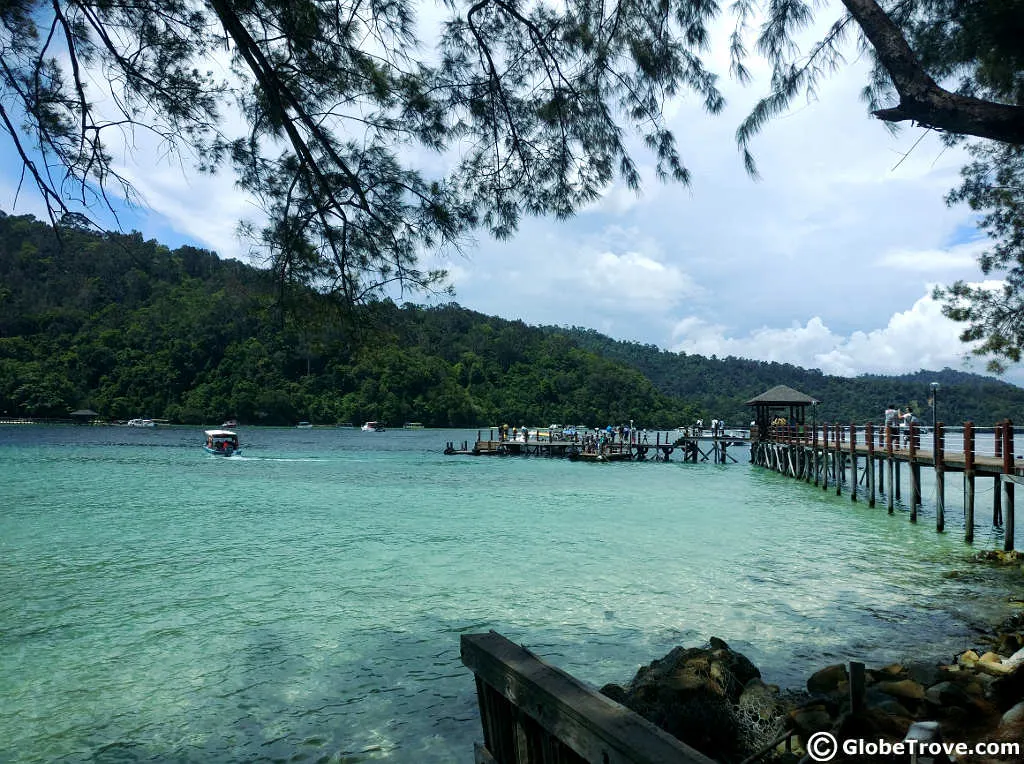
x=959 y=257
x=917 y=338
x=633 y=276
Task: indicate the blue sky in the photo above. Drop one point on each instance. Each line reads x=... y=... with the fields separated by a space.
x=827 y=262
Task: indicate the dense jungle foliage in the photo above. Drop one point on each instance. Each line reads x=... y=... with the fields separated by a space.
x=130 y=328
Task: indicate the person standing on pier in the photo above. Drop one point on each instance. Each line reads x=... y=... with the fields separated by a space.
x=891 y=416
x=905 y=419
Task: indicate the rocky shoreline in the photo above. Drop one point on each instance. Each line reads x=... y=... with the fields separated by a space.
x=715 y=700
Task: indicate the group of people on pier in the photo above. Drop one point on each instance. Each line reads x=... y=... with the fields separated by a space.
x=717 y=428
x=900 y=419
x=585 y=436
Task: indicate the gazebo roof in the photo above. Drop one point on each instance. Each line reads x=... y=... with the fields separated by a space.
x=781 y=395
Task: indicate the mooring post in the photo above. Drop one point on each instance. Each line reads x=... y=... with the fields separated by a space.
x=824 y=457
x=814 y=453
x=915 y=475
x=1008 y=485
x=997 y=494
x=969 y=481
x=839 y=463
x=857 y=685
x=889 y=460
x=808 y=454
x=853 y=462
x=869 y=436
x=940 y=477
x=881 y=472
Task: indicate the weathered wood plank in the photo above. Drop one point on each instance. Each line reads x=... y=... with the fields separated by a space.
x=595 y=727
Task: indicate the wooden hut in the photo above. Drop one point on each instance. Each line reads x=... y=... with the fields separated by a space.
x=780 y=401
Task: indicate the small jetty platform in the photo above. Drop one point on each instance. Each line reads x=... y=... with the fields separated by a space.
x=689 y=445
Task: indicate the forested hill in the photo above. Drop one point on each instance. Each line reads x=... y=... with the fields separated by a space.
x=130 y=328
x=722 y=385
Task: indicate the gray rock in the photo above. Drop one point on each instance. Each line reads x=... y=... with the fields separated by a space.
x=947 y=694
x=892 y=707
x=828 y=679
x=924 y=673
x=1014 y=716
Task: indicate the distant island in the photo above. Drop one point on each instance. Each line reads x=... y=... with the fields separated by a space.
x=129 y=328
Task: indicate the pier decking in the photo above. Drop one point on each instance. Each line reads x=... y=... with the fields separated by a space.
x=851 y=456
x=692 y=446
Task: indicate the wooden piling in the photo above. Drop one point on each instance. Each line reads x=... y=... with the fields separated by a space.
x=1008 y=485
x=997 y=488
x=824 y=458
x=890 y=465
x=969 y=481
x=857 y=686
x=840 y=468
x=939 y=448
x=869 y=436
x=915 y=476
x=814 y=453
x=853 y=462
x=881 y=472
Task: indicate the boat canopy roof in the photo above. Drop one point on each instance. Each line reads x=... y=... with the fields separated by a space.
x=221 y=434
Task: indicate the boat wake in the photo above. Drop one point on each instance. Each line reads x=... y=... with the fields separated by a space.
x=277 y=459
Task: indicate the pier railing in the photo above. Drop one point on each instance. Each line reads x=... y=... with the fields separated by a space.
x=535 y=713
x=987 y=441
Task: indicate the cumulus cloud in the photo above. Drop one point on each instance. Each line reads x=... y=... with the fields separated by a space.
x=917 y=338
x=633 y=276
x=929 y=260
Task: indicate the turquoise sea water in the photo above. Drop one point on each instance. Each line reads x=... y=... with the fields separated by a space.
x=304 y=602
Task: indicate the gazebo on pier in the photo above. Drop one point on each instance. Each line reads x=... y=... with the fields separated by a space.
x=783 y=401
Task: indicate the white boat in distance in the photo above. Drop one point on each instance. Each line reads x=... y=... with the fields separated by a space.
x=373 y=427
x=141 y=423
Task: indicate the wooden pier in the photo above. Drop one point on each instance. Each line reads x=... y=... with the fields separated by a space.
x=834 y=456
x=692 y=447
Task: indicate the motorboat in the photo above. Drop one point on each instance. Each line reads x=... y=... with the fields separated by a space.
x=373 y=427
x=222 y=443
x=413 y=426
x=141 y=423
x=304 y=425
x=230 y=424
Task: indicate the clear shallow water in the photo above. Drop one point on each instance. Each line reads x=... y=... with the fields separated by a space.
x=304 y=602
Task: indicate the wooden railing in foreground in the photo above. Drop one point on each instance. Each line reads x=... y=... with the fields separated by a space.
x=534 y=713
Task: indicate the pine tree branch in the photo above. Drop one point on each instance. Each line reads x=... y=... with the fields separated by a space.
x=921 y=98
